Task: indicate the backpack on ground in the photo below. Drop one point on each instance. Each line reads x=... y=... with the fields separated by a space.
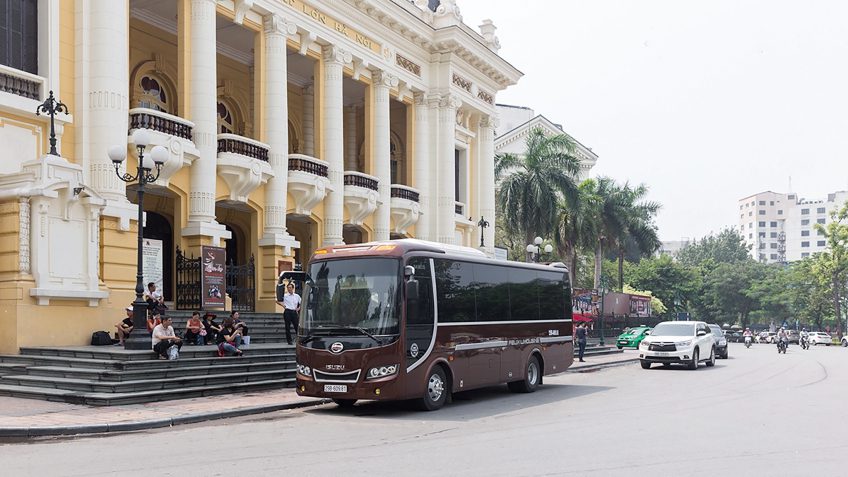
x=173 y=353
x=100 y=338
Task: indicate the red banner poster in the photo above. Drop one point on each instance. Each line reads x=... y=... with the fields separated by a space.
x=213 y=277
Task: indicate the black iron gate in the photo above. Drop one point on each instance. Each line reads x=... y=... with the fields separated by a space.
x=240 y=279
x=188 y=282
x=241 y=285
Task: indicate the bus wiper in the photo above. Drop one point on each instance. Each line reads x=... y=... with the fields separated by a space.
x=363 y=331
x=307 y=339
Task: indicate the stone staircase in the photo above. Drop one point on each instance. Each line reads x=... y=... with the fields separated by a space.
x=111 y=375
x=595 y=349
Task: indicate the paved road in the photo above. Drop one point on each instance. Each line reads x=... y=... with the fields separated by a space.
x=742 y=417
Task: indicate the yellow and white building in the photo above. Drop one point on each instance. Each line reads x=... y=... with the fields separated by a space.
x=290 y=124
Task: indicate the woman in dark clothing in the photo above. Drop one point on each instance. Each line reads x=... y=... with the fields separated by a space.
x=212 y=328
x=229 y=339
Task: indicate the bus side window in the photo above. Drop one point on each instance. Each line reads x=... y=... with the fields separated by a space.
x=421 y=312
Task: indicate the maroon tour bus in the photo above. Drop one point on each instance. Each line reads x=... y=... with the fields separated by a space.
x=408 y=319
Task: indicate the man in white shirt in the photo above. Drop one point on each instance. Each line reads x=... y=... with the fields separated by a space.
x=163 y=337
x=291 y=304
x=153 y=297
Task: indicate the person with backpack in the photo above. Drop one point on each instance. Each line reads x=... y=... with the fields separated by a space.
x=163 y=339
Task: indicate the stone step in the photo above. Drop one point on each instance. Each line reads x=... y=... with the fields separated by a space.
x=241 y=366
x=119 y=353
x=126 y=365
x=112 y=399
x=142 y=385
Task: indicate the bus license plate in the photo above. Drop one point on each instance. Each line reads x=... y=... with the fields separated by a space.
x=335 y=388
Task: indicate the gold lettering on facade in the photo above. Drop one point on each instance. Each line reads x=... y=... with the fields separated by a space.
x=331 y=22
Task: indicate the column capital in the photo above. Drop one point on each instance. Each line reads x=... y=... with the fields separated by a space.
x=274 y=24
x=450 y=100
x=419 y=98
x=334 y=54
x=489 y=122
x=382 y=78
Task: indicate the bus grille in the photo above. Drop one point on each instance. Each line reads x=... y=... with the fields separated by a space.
x=324 y=377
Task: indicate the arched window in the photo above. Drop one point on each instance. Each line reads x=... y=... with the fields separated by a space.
x=152 y=94
x=226 y=121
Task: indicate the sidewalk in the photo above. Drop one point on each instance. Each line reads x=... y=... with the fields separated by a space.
x=31 y=418
x=594 y=363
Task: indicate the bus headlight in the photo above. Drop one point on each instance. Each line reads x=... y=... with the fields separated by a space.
x=382 y=371
x=304 y=370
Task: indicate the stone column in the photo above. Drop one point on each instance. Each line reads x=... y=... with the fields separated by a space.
x=421 y=164
x=332 y=134
x=309 y=120
x=104 y=102
x=203 y=113
x=276 y=106
x=382 y=83
x=486 y=180
x=351 y=154
x=448 y=104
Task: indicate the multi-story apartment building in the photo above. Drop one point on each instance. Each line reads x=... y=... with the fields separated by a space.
x=781 y=227
x=289 y=125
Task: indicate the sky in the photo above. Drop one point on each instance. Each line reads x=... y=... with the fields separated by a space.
x=705 y=102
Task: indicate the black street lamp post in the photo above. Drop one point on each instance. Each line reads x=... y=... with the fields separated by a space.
x=603 y=291
x=483 y=223
x=139 y=339
x=51 y=106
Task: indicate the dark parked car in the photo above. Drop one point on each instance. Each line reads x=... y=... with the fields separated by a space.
x=720 y=341
x=733 y=336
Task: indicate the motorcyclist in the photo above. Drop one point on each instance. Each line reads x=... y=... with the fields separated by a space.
x=781 y=336
x=747 y=336
x=802 y=338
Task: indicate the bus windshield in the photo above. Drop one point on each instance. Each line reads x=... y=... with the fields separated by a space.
x=352 y=296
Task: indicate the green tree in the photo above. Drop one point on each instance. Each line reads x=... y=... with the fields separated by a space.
x=725 y=247
x=639 y=229
x=608 y=211
x=574 y=228
x=834 y=262
x=726 y=291
x=671 y=282
x=530 y=184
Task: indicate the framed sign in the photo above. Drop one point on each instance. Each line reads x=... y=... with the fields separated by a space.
x=153 y=262
x=213 y=283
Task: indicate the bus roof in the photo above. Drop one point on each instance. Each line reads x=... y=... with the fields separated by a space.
x=400 y=247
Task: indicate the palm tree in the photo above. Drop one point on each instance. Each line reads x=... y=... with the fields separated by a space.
x=609 y=213
x=639 y=229
x=529 y=184
x=575 y=228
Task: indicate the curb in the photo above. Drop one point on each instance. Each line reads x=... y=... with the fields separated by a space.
x=596 y=367
x=151 y=423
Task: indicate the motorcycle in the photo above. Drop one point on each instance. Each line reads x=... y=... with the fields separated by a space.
x=804 y=343
x=748 y=341
x=781 y=346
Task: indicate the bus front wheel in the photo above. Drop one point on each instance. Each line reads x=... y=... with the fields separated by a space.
x=532 y=378
x=437 y=390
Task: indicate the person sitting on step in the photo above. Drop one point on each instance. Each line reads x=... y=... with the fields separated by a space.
x=125 y=327
x=239 y=324
x=229 y=339
x=212 y=328
x=195 y=332
x=163 y=338
x=154 y=319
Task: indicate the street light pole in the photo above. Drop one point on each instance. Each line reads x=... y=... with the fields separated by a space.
x=603 y=292
x=139 y=339
x=534 y=250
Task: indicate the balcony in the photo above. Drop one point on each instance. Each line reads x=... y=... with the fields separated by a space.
x=406 y=208
x=20 y=83
x=172 y=132
x=308 y=182
x=243 y=164
x=360 y=195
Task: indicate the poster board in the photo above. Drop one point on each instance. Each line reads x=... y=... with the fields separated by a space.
x=153 y=262
x=213 y=284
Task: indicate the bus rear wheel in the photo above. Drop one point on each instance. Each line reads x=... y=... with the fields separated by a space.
x=437 y=390
x=345 y=403
x=532 y=378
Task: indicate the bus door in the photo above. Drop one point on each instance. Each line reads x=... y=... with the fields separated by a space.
x=420 y=315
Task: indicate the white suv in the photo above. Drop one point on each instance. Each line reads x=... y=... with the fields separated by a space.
x=678 y=342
